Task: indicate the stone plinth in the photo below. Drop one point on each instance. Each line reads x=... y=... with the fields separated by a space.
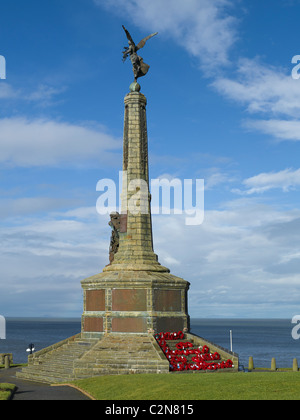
x=134 y=302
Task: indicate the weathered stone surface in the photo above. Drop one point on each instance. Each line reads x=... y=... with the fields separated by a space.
x=139 y=293
x=112 y=354
x=145 y=296
x=76 y=358
x=135 y=242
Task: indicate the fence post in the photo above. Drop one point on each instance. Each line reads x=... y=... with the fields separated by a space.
x=273 y=364
x=295 y=365
x=251 y=363
x=6 y=362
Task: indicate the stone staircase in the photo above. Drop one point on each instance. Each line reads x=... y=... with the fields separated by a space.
x=77 y=358
x=55 y=364
x=119 y=354
x=113 y=354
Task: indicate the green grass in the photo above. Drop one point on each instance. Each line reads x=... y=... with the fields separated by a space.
x=201 y=386
x=6 y=391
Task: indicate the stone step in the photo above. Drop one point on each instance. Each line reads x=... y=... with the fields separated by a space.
x=115 y=359
x=45 y=379
x=130 y=360
x=106 y=370
x=47 y=367
x=97 y=364
x=109 y=356
x=46 y=373
x=104 y=365
x=57 y=364
x=50 y=367
x=47 y=376
x=58 y=358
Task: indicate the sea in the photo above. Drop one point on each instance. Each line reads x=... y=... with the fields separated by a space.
x=261 y=339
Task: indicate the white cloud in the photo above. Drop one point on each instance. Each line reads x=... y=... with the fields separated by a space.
x=246 y=247
x=268 y=91
x=280 y=129
x=262 y=89
x=43 y=94
x=203 y=27
x=285 y=180
x=11 y=208
x=216 y=177
x=40 y=142
x=8 y=92
x=43 y=261
x=242 y=256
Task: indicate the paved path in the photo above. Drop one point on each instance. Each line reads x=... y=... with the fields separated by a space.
x=36 y=391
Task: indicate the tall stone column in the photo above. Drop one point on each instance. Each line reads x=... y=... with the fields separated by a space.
x=134 y=293
x=136 y=242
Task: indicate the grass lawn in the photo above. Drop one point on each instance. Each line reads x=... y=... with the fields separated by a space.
x=5 y=391
x=201 y=386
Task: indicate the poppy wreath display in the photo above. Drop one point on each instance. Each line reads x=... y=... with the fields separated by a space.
x=206 y=357
x=170 y=336
x=178 y=361
x=182 y=346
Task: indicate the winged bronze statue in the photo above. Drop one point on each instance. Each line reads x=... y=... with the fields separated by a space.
x=139 y=67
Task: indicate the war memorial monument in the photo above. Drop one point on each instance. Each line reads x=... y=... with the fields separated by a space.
x=135 y=312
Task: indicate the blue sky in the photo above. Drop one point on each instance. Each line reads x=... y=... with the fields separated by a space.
x=222 y=106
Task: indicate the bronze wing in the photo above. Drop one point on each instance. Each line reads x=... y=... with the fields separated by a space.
x=143 y=41
x=128 y=35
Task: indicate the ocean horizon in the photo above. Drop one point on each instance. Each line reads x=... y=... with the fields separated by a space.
x=261 y=338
